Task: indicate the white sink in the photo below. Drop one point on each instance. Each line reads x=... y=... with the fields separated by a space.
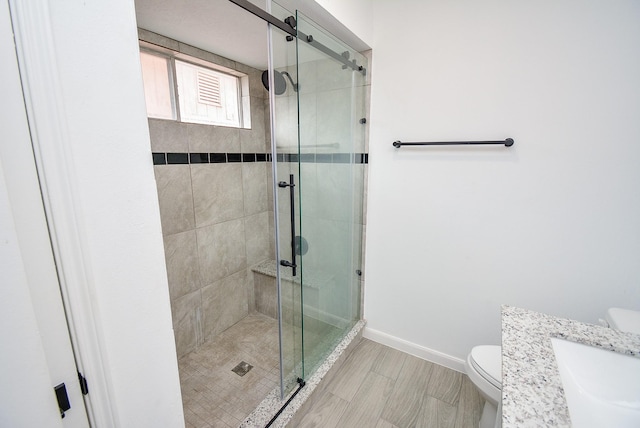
x=602 y=387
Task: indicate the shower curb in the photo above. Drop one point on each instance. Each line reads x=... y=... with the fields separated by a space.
x=296 y=409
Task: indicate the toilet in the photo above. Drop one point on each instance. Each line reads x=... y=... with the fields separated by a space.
x=484 y=368
x=484 y=364
x=623 y=320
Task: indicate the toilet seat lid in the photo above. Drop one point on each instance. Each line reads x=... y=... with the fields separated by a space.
x=624 y=320
x=487 y=359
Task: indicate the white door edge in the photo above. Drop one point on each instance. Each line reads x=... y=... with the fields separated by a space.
x=41 y=88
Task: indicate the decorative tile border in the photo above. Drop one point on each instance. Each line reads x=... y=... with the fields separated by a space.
x=324 y=157
x=199 y=158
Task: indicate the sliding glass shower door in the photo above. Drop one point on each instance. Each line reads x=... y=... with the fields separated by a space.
x=331 y=99
x=285 y=152
x=317 y=104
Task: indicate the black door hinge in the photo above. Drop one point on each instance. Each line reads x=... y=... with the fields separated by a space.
x=63 y=398
x=84 y=387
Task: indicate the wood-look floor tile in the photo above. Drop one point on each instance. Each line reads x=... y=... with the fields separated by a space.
x=389 y=362
x=410 y=402
x=444 y=384
x=351 y=375
x=365 y=408
x=403 y=407
x=384 y=424
x=326 y=412
x=436 y=413
x=470 y=405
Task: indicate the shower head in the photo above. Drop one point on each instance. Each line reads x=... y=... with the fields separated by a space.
x=278 y=81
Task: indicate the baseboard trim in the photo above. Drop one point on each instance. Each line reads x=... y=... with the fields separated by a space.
x=419 y=351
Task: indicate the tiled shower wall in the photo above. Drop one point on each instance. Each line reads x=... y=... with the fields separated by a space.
x=217 y=218
x=333 y=197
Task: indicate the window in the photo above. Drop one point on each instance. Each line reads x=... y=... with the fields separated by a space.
x=157 y=86
x=205 y=94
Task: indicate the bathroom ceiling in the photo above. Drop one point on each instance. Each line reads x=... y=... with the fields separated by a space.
x=217 y=26
x=226 y=29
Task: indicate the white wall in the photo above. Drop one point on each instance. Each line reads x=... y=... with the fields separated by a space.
x=356 y=15
x=551 y=224
x=106 y=144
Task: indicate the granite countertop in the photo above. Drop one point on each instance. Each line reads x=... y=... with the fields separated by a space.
x=532 y=393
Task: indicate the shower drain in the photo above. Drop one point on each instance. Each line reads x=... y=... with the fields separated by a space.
x=242 y=368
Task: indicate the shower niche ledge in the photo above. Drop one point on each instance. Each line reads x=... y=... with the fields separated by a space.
x=266 y=297
x=311 y=279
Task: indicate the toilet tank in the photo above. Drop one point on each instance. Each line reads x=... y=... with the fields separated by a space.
x=624 y=320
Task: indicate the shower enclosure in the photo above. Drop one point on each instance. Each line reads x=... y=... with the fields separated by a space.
x=262 y=222
x=318 y=141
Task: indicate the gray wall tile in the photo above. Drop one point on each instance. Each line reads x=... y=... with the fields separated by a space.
x=365 y=191
x=307 y=109
x=267 y=124
x=181 y=255
x=309 y=187
x=307 y=77
x=157 y=39
x=269 y=171
x=221 y=250
x=256 y=229
x=224 y=303
x=187 y=322
x=217 y=193
x=358 y=172
x=256 y=88
x=253 y=140
x=334 y=192
x=333 y=118
x=168 y=136
x=251 y=301
x=211 y=139
x=290 y=294
x=175 y=198
x=287 y=123
x=254 y=188
x=330 y=75
x=272 y=236
x=265 y=295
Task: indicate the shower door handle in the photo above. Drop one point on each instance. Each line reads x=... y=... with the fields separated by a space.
x=291 y=185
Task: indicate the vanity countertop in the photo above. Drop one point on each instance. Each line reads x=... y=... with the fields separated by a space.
x=532 y=393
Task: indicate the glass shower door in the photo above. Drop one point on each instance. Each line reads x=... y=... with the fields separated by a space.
x=331 y=99
x=317 y=107
x=285 y=155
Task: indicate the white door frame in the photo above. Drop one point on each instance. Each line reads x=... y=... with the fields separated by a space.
x=37 y=354
x=49 y=135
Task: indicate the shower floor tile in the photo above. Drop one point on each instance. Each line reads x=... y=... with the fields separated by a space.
x=212 y=394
